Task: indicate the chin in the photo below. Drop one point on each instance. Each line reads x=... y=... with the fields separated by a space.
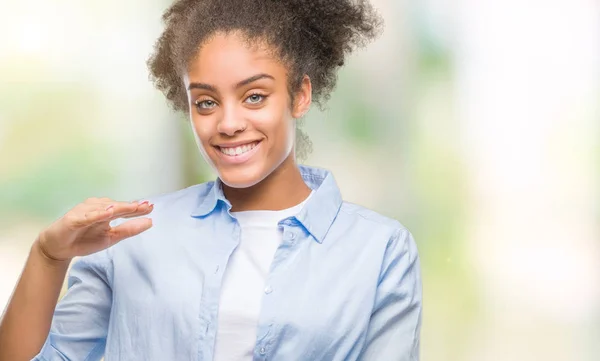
x=241 y=178
x=248 y=173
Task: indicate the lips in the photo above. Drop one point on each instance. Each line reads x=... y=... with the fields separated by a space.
x=237 y=153
x=237 y=150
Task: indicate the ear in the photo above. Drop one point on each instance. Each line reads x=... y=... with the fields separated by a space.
x=302 y=98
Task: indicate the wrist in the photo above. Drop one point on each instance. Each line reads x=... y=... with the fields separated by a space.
x=40 y=250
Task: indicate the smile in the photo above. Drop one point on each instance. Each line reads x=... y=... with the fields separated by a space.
x=238 y=150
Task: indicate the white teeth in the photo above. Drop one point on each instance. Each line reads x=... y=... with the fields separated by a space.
x=234 y=151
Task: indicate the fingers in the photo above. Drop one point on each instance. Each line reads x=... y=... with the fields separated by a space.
x=129 y=229
x=95 y=210
x=80 y=218
x=142 y=210
x=93 y=217
x=120 y=208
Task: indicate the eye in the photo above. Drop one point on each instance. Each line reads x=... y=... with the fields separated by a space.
x=205 y=104
x=255 y=99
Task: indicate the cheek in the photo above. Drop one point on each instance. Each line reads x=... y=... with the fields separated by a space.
x=202 y=130
x=275 y=122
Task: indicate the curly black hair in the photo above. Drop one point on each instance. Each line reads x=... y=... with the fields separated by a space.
x=312 y=37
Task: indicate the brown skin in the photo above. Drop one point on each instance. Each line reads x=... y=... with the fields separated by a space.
x=223 y=112
x=260 y=110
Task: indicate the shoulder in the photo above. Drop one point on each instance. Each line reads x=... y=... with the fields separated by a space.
x=370 y=218
x=395 y=247
x=397 y=239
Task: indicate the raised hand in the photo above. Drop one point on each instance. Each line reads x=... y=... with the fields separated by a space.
x=86 y=229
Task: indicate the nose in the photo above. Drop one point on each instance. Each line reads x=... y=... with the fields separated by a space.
x=231 y=123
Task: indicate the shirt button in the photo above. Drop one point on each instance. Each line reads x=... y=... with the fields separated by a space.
x=290 y=235
x=263 y=351
x=268 y=289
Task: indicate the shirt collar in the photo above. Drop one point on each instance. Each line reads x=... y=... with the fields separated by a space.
x=316 y=216
x=209 y=199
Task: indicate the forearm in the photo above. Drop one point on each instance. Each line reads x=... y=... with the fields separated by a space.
x=26 y=322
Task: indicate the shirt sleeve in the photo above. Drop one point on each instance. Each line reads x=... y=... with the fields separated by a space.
x=80 y=321
x=395 y=325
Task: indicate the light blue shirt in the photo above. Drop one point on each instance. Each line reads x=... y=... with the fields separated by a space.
x=345 y=284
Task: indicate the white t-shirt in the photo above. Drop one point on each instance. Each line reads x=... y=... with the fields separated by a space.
x=244 y=282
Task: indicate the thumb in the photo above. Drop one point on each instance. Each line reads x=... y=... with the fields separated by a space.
x=129 y=229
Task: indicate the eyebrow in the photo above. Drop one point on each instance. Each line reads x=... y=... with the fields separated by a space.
x=242 y=83
x=252 y=79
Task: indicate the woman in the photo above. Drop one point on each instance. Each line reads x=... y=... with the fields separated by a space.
x=267 y=262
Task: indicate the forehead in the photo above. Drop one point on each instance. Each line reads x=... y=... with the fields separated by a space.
x=231 y=57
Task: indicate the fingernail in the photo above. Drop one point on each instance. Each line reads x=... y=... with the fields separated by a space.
x=144 y=202
x=109 y=207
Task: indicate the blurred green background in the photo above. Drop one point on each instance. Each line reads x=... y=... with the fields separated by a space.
x=473 y=123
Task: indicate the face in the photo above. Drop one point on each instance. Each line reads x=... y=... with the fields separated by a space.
x=241 y=110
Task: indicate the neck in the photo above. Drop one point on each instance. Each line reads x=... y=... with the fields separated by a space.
x=283 y=188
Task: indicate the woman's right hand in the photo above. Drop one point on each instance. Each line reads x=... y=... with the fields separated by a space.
x=86 y=229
